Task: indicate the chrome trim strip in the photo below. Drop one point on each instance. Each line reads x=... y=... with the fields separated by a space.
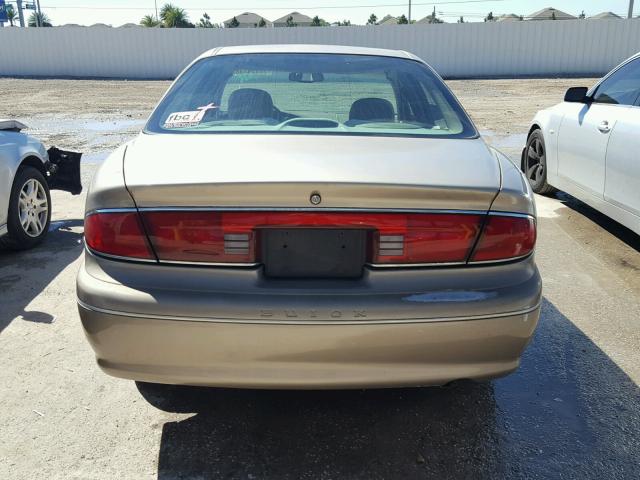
x=414 y=265
x=117 y=257
x=111 y=210
x=512 y=259
x=257 y=264
x=495 y=213
x=305 y=322
x=309 y=209
x=208 y=264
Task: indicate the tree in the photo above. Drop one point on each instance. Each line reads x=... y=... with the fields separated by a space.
x=290 y=22
x=553 y=16
x=233 y=23
x=262 y=23
x=11 y=14
x=318 y=22
x=402 y=20
x=39 y=18
x=490 y=17
x=582 y=16
x=205 y=21
x=174 y=17
x=343 y=23
x=150 y=21
x=373 y=20
x=461 y=19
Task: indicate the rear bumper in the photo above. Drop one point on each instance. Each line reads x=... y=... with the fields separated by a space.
x=409 y=335
x=306 y=356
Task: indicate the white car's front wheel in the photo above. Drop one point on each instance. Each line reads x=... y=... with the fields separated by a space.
x=534 y=164
x=29 y=210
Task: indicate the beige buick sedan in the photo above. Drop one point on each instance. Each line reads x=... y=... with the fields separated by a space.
x=297 y=216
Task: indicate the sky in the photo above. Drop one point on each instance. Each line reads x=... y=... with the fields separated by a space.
x=118 y=12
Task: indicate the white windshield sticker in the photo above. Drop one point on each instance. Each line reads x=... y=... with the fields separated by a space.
x=187 y=119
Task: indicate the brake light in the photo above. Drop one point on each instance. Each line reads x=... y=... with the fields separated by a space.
x=231 y=237
x=426 y=238
x=208 y=237
x=117 y=233
x=505 y=237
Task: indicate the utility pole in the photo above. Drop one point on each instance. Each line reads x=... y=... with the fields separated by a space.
x=410 y=11
x=20 y=14
x=38 y=14
x=156 y=2
x=630 y=9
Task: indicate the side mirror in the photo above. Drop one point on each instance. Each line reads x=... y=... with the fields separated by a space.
x=577 y=95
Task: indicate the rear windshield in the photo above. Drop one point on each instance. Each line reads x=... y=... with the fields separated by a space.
x=310 y=93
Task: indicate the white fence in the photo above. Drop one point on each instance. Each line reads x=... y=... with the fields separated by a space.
x=505 y=49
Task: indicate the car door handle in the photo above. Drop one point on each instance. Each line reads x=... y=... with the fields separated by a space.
x=604 y=127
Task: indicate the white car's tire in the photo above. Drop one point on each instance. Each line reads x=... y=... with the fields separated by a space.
x=29 y=210
x=534 y=164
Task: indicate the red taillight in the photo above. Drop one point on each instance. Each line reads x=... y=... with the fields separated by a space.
x=209 y=237
x=233 y=237
x=117 y=233
x=426 y=238
x=505 y=237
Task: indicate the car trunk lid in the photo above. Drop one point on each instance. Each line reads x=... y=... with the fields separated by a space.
x=284 y=171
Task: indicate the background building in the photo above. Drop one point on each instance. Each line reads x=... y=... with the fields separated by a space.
x=293 y=19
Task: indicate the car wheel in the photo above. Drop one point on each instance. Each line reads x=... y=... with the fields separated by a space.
x=29 y=210
x=534 y=164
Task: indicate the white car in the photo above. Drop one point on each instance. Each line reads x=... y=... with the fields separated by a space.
x=27 y=172
x=589 y=145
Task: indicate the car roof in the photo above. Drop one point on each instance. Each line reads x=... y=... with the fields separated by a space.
x=301 y=48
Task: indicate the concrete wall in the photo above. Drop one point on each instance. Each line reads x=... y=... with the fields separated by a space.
x=533 y=48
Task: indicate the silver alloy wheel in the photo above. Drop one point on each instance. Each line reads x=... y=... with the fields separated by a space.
x=33 y=208
x=535 y=161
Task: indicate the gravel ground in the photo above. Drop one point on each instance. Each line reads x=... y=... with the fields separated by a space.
x=571 y=411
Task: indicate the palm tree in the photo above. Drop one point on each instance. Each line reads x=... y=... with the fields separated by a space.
x=11 y=14
x=402 y=20
x=262 y=23
x=39 y=19
x=149 y=21
x=290 y=22
x=174 y=17
x=373 y=20
x=234 y=23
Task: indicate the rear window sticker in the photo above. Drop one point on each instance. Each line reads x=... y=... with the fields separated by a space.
x=188 y=119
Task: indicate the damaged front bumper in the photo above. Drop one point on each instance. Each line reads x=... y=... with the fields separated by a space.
x=63 y=170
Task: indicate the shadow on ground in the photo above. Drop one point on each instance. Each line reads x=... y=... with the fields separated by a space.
x=569 y=412
x=24 y=275
x=623 y=233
